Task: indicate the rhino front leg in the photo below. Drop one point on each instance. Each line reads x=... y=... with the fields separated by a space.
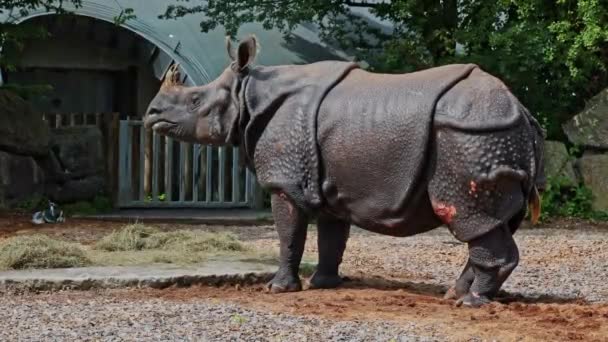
x=291 y=223
x=332 y=236
x=493 y=257
x=463 y=283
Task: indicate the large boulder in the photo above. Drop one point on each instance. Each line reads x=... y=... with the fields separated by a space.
x=594 y=169
x=20 y=177
x=75 y=190
x=589 y=128
x=22 y=130
x=558 y=164
x=79 y=150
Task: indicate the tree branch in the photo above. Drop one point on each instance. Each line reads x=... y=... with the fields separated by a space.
x=362 y=3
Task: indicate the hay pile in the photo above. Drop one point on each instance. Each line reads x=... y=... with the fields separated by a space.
x=40 y=251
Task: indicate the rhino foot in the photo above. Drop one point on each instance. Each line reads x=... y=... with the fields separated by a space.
x=451 y=294
x=323 y=281
x=282 y=283
x=473 y=300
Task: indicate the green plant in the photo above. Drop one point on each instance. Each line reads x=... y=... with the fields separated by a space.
x=34 y=203
x=307 y=269
x=563 y=200
x=238 y=319
x=100 y=204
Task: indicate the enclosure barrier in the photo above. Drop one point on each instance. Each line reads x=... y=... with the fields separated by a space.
x=108 y=123
x=157 y=171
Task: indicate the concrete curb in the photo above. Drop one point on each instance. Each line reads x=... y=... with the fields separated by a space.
x=213 y=273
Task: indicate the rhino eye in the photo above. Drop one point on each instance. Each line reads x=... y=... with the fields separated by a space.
x=195 y=101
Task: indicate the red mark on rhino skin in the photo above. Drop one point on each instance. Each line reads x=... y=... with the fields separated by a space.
x=472 y=188
x=445 y=212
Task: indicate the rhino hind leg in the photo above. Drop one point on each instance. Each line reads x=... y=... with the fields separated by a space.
x=492 y=256
x=291 y=223
x=332 y=236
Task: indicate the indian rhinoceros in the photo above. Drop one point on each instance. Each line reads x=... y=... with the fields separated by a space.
x=396 y=154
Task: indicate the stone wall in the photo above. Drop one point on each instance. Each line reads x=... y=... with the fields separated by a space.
x=589 y=131
x=65 y=164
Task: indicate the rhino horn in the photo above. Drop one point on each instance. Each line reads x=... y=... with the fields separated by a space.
x=173 y=77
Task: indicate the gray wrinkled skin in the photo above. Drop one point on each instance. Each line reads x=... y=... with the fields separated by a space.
x=394 y=154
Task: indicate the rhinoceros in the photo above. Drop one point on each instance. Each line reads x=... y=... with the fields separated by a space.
x=396 y=154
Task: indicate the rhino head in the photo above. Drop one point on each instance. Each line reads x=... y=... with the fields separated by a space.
x=205 y=114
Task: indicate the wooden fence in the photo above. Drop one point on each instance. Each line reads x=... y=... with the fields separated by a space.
x=156 y=171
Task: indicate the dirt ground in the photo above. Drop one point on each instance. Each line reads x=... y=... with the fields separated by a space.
x=389 y=295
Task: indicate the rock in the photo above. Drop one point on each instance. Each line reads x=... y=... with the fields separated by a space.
x=20 y=176
x=589 y=128
x=76 y=190
x=22 y=130
x=79 y=150
x=2 y=201
x=558 y=164
x=594 y=168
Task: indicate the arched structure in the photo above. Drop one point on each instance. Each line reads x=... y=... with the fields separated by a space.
x=202 y=56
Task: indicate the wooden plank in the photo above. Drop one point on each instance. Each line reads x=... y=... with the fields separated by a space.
x=209 y=184
x=196 y=164
x=248 y=194
x=235 y=175
x=124 y=164
x=169 y=168
x=142 y=162
x=182 y=176
x=221 y=170
x=113 y=147
x=156 y=165
x=186 y=204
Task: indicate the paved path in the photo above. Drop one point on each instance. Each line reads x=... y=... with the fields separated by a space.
x=197 y=216
x=156 y=276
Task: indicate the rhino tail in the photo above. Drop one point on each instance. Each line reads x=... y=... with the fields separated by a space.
x=534 y=205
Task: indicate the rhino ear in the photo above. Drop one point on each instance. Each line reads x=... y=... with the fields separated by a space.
x=229 y=48
x=246 y=52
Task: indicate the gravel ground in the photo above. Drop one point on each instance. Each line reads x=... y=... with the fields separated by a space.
x=555 y=263
x=48 y=318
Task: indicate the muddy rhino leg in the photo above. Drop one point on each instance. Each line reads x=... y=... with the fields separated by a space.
x=291 y=224
x=332 y=236
x=493 y=257
x=463 y=283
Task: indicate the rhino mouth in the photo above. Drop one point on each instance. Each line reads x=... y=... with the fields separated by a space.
x=159 y=124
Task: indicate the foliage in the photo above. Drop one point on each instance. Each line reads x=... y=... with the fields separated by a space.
x=552 y=54
x=40 y=251
x=561 y=200
x=34 y=203
x=100 y=204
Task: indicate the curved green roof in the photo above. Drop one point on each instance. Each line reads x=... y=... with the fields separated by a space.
x=202 y=55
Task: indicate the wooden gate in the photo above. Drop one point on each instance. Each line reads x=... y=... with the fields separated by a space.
x=157 y=171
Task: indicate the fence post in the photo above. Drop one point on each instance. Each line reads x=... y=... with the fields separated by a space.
x=124 y=163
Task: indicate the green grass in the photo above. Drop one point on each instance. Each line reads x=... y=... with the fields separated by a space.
x=39 y=251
